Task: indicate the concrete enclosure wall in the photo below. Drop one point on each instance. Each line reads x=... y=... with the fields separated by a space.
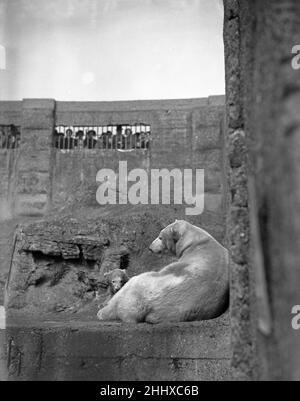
x=185 y=134
x=56 y=263
x=37 y=178
x=262 y=139
x=262 y=162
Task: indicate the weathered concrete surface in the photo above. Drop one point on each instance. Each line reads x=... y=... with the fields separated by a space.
x=3 y=356
x=184 y=134
x=11 y=112
x=32 y=195
x=272 y=99
x=237 y=227
x=263 y=126
x=94 y=351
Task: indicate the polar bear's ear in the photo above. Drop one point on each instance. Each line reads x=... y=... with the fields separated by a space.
x=176 y=230
x=173 y=227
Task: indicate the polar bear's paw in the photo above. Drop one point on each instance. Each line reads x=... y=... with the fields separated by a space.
x=100 y=315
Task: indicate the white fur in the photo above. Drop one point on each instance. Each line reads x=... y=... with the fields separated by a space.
x=193 y=288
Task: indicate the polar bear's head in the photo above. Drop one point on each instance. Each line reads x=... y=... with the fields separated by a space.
x=169 y=237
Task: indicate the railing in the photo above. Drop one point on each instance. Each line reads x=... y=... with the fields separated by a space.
x=114 y=137
x=10 y=136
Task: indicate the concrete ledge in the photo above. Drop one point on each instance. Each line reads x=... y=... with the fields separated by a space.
x=114 y=351
x=39 y=104
x=10 y=106
x=62 y=107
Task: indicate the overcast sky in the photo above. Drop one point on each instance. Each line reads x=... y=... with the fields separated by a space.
x=111 y=49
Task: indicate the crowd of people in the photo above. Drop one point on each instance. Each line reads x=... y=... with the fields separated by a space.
x=10 y=137
x=118 y=137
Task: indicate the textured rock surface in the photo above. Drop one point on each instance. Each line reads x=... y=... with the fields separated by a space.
x=58 y=264
x=263 y=121
x=237 y=226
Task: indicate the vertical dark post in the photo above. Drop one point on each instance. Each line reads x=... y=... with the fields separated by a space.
x=237 y=213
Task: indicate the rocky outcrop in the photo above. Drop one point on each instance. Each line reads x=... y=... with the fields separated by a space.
x=58 y=265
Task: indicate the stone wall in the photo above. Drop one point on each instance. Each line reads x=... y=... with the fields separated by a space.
x=185 y=134
x=35 y=178
x=237 y=227
x=10 y=113
x=55 y=264
x=262 y=162
x=263 y=127
x=38 y=180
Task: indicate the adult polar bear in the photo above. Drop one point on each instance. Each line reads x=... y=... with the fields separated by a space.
x=196 y=287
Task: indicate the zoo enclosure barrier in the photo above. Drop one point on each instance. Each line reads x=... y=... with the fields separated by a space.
x=119 y=136
x=10 y=136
